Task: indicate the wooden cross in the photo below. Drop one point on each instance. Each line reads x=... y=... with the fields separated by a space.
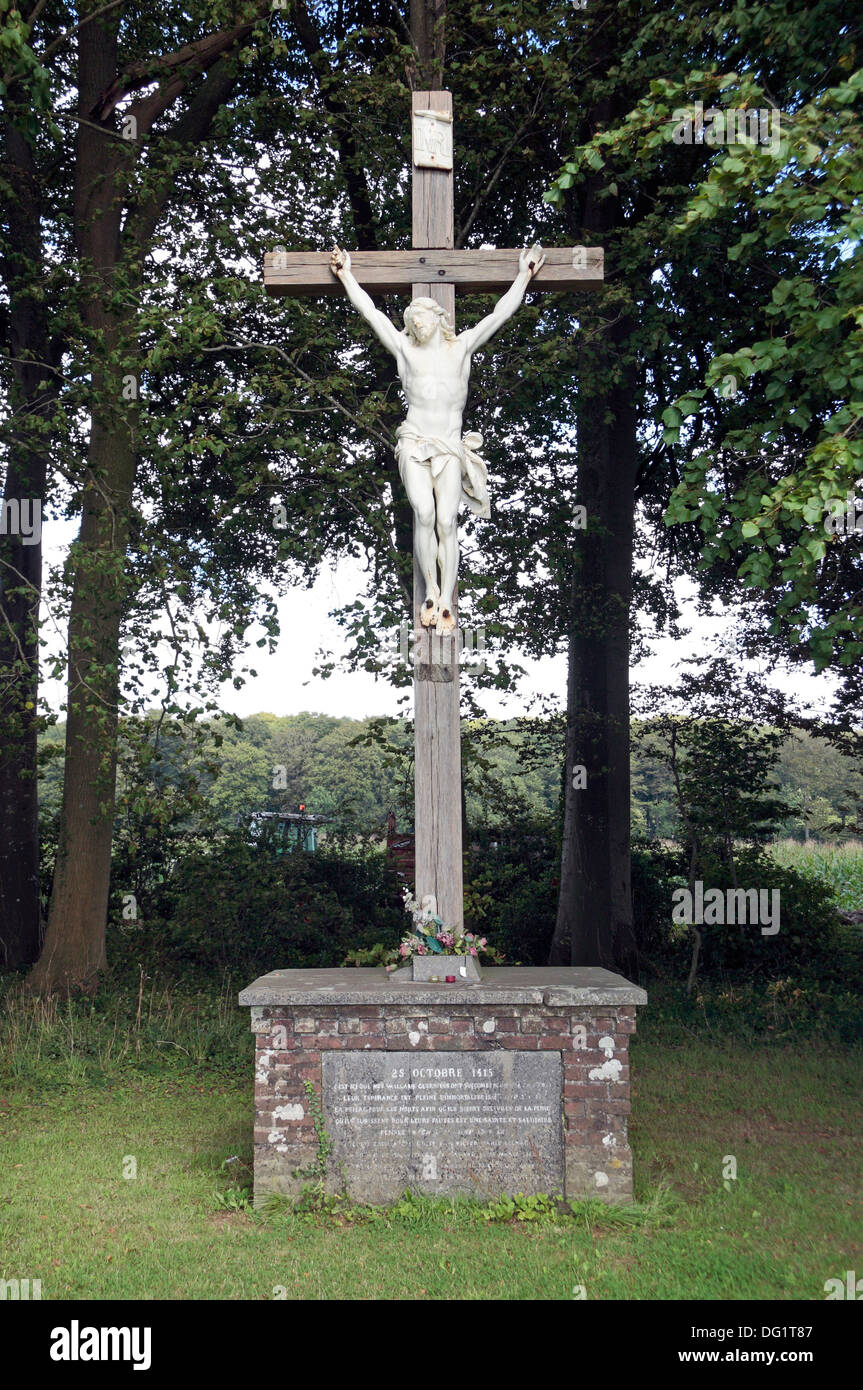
x=434 y=270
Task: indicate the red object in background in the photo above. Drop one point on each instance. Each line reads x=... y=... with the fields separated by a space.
x=450 y=979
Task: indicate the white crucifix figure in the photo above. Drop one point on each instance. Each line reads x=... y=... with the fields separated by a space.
x=439 y=466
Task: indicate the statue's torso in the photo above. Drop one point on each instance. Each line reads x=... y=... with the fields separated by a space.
x=435 y=378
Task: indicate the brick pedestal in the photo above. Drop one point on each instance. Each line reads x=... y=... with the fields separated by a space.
x=585 y=1016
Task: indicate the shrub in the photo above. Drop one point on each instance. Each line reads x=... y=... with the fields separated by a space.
x=807 y=936
x=807 y=941
x=247 y=909
x=511 y=891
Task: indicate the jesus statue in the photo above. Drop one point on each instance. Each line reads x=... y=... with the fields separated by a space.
x=439 y=466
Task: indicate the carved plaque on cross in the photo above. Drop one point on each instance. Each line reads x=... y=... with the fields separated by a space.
x=432 y=139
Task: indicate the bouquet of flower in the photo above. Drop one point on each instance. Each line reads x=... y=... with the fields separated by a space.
x=431 y=937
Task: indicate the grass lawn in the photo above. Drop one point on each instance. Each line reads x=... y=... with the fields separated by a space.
x=72 y=1113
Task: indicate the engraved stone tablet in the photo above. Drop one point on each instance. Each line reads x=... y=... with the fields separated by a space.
x=432 y=139
x=445 y=1123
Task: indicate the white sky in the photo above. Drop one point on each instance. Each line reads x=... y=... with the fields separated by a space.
x=285 y=683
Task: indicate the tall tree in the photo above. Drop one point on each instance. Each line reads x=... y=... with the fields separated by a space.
x=124 y=165
x=31 y=376
x=676 y=300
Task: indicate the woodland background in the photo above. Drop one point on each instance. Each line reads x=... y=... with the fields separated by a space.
x=704 y=409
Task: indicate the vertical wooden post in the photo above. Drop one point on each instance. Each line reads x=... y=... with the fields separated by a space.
x=437 y=729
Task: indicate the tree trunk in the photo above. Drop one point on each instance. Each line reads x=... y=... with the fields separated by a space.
x=594 y=923
x=594 y=917
x=33 y=394
x=74 y=950
x=428 y=33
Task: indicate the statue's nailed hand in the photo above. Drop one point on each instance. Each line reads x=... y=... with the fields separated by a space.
x=531 y=259
x=339 y=261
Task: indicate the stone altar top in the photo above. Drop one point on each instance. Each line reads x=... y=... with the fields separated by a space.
x=550 y=985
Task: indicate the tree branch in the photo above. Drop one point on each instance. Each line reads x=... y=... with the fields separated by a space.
x=365 y=222
x=61 y=38
x=336 y=404
x=192 y=58
x=189 y=129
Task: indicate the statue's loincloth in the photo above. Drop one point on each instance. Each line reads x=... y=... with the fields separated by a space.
x=434 y=454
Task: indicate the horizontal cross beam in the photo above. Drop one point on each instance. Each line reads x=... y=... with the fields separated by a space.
x=471 y=272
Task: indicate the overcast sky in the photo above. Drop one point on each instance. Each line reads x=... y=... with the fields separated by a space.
x=285 y=683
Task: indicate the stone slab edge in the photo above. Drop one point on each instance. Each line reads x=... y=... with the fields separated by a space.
x=578 y=987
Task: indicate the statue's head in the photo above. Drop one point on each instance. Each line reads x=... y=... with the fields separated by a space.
x=422 y=317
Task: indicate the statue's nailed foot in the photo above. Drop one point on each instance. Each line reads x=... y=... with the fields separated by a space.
x=430 y=612
x=445 y=623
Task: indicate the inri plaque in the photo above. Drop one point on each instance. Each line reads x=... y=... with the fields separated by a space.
x=432 y=139
x=445 y=1122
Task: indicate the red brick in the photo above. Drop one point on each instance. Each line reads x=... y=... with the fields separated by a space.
x=617 y=1106
x=575 y=1090
x=560 y=1042
x=573 y=1069
x=601 y=1122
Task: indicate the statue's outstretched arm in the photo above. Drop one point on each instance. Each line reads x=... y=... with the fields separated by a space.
x=529 y=262
x=392 y=340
